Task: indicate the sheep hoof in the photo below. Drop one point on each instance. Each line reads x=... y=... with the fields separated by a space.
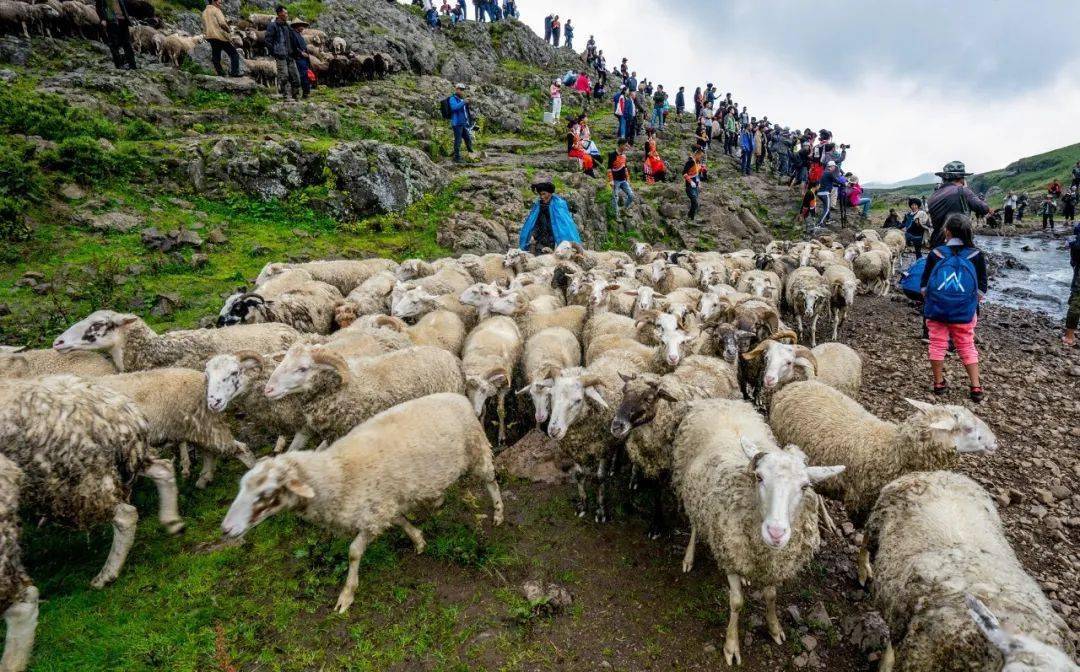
x=731 y=653
x=687 y=566
x=420 y=547
x=601 y=516
x=102 y=580
x=175 y=527
x=778 y=635
x=343 y=603
x=202 y=483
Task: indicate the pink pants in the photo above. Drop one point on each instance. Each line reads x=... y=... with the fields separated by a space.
x=963 y=336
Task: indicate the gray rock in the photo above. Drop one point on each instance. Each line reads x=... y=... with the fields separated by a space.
x=14 y=50
x=372 y=177
x=165 y=304
x=199 y=260
x=116 y=221
x=216 y=237
x=268 y=170
x=72 y=192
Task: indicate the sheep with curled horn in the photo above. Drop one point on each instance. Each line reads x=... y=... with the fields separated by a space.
x=738 y=344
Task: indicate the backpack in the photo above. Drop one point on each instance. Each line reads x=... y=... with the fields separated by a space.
x=912 y=278
x=816 y=172
x=444 y=108
x=952 y=293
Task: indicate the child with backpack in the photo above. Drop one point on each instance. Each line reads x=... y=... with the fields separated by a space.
x=953 y=284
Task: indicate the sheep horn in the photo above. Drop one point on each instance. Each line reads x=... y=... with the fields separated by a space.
x=758 y=351
x=391 y=322
x=787 y=334
x=331 y=360
x=591 y=380
x=249 y=355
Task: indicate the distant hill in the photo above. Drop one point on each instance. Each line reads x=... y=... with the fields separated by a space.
x=925 y=178
x=1030 y=174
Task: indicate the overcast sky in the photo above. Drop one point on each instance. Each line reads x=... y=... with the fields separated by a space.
x=910 y=84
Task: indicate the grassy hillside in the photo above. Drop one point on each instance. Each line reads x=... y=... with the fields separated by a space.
x=1030 y=174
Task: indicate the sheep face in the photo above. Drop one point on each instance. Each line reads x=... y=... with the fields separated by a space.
x=641 y=395
x=570 y=396
x=514 y=257
x=640 y=250
x=645 y=298
x=782 y=481
x=412 y=302
x=508 y=303
x=957 y=426
x=481 y=388
x=345 y=313
x=100 y=330
x=479 y=294
x=410 y=269
x=709 y=305
x=781 y=360
x=238 y=307
x=227 y=378
x=1021 y=653
x=673 y=338
x=734 y=341
x=599 y=291
x=295 y=373
x=270 y=486
x=656 y=270
x=540 y=393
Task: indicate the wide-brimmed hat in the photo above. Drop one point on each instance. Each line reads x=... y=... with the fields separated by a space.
x=299 y=23
x=954 y=169
x=546 y=187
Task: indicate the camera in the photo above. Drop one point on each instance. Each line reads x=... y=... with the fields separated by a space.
x=845 y=146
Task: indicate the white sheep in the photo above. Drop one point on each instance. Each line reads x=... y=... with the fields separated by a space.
x=416 y=302
x=762 y=284
x=487 y=359
x=937 y=537
x=1021 y=652
x=337 y=396
x=81 y=446
x=439 y=329
x=345 y=274
x=834 y=364
x=842 y=286
x=750 y=500
x=173 y=400
x=236 y=380
x=133 y=345
x=540 y=313
x=873 y=268
x=807 y=296
x=371 y=297
x=834 y=428
x=21 y=363
x=546 y=354
x=373 y=477
x=146 y=39
x=175 y=47
x=18 y=595
x=308 y=307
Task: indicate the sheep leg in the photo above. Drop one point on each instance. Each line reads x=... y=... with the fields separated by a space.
x=356 y=551
x=279 y=445
x=799 y=325
x=866 y=572
x=209 y=462
x=21 y=618
x=735 y=603
x=688 y=556
x=486 y=471
x=601 y=480
x=244 y=454
x=835 y=323
x=578 y=474
x=771 y=619
x=826 y=520
x=502 y=417
x=656 y=525
x=299 y=440
x=125 y=516
x=164 y=478
x=888 y=659
x=813 y=330
x=413 y=532
x=185 y=460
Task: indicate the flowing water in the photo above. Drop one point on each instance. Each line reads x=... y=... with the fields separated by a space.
x=1044 y=286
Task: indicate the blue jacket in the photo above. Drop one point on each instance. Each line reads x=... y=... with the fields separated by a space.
x=830 y=180
x=279 y=42
x=746 y=141
x=562 y=223
x=459 y=113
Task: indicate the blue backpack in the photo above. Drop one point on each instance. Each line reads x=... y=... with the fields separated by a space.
x=912 y=278
x=952 y=293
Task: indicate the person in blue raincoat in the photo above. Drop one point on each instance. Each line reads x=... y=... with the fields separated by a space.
x=549 y=222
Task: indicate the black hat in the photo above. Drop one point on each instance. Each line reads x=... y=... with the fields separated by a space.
x=914 y=201
x=547 y=187
x=954 y=169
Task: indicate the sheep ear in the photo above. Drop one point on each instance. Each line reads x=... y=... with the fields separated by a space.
x=299 y=488
x=819 y=474
x=988 y=623
x=627 y=378
x=921 y=405
x=498 y=377
x=749 y=448
x=124 y=320
x=593 y=395
x=666 y=395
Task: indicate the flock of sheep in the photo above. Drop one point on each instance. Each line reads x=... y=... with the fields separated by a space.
x=333 y=62
x=680 y=362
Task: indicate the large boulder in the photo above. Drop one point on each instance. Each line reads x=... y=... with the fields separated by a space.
x=268 y=169
x=492 y=211
x=372 y=177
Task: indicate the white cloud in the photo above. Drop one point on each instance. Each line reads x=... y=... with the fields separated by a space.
x=898 y=127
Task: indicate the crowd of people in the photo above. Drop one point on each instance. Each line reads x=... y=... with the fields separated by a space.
x=457 y=11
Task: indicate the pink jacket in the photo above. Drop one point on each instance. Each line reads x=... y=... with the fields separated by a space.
x=582 y=84
x=854 y=193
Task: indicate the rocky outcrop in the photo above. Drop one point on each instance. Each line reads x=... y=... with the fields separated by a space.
x=371 y=177
x=269 y=169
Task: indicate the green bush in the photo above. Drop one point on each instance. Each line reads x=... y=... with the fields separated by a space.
x=27 y=111
x=83 y=158
x=19 y=174
x=13 y=226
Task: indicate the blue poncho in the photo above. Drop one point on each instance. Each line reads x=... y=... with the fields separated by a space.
x=562 y=224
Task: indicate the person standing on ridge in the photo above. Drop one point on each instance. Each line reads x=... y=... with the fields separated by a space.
x=692 y=178
x=556 y=101
x=281 y=45
x=547 y=27
x=556 y=31
x=1047 y=210
x=953 y=196
x=659 y=107
x=1068 y=206
x=619 y=178
x=460 y=121
x=216 y=30
x=303 y=59
x=117 y=26
x=569 y=35
x=746 y=149
x=680 y=101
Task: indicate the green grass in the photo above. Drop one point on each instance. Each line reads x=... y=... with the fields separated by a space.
x=1032 y=173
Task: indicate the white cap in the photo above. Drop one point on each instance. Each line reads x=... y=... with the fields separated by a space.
x=831 y=164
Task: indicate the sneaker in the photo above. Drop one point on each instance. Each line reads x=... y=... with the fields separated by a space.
x=943 y=387
x=976 y=393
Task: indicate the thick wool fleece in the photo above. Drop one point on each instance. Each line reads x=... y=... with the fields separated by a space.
x=13 y=577
x=937 y=536
x=698 y=377
x=345 y=274
x=80 y=445
x=143 y=349
x=834 y=429
x=33 y=363
x=718 y=489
